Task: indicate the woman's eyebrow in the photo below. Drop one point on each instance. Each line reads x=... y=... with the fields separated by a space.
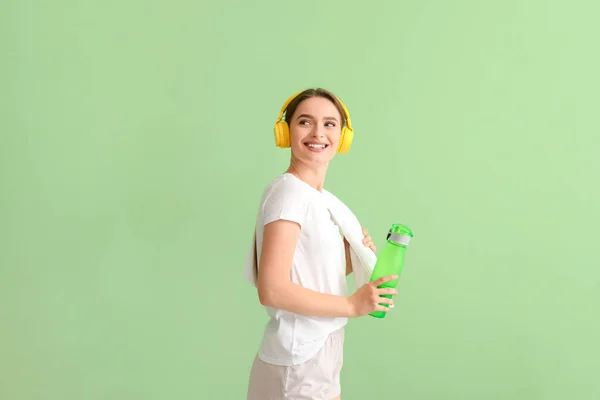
x=311 y=117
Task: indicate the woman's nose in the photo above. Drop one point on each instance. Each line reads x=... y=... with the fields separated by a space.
x=317 y=132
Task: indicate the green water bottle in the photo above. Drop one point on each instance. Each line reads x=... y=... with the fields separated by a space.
x=391 y=260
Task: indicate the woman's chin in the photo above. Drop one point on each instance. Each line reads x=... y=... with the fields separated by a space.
x=317 y=159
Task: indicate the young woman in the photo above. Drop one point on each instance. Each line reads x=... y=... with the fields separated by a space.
x=303 y=261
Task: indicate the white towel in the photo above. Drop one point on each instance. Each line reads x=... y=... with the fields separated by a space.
x=363 y=258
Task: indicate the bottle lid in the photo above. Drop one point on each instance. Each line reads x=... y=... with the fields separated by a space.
x=400 y=234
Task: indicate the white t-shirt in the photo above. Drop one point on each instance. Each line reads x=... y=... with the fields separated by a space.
x=319 y=264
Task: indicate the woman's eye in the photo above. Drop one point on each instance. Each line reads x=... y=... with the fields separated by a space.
x=303 y=122
x=330 y=124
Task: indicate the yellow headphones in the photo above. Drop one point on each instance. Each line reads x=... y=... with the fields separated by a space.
x=282 y=129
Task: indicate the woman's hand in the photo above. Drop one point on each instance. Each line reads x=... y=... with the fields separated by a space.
x=367 y=240
x=367 y=298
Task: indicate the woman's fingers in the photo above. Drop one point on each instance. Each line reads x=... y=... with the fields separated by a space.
x=385 y=304
x=384 y=279
x=387 y=291
x=384 y=300
x=367 y=241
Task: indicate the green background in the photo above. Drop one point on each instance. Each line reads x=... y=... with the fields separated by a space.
x=137 y=137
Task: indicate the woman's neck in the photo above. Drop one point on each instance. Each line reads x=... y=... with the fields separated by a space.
x=314 y=176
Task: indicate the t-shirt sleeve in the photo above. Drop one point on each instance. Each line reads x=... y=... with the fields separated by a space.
x=285 y=203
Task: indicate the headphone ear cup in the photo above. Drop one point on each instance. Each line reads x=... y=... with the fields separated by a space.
x=282 y=134
x=345 y=140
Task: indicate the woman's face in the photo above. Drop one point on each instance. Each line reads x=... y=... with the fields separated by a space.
x=315 y=130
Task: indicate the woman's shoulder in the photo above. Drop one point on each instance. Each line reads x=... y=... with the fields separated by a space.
x=284 y=197
x=287 y=184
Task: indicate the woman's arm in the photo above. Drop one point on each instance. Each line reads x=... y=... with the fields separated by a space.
x=275 y=289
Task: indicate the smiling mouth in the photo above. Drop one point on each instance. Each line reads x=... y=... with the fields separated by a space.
x=316 y=146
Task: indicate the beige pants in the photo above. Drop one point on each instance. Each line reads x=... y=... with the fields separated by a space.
x=315 y=379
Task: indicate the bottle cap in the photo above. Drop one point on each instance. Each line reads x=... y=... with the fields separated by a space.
x=400 y=234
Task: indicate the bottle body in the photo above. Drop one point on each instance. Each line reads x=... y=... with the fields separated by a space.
x=391 y=260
